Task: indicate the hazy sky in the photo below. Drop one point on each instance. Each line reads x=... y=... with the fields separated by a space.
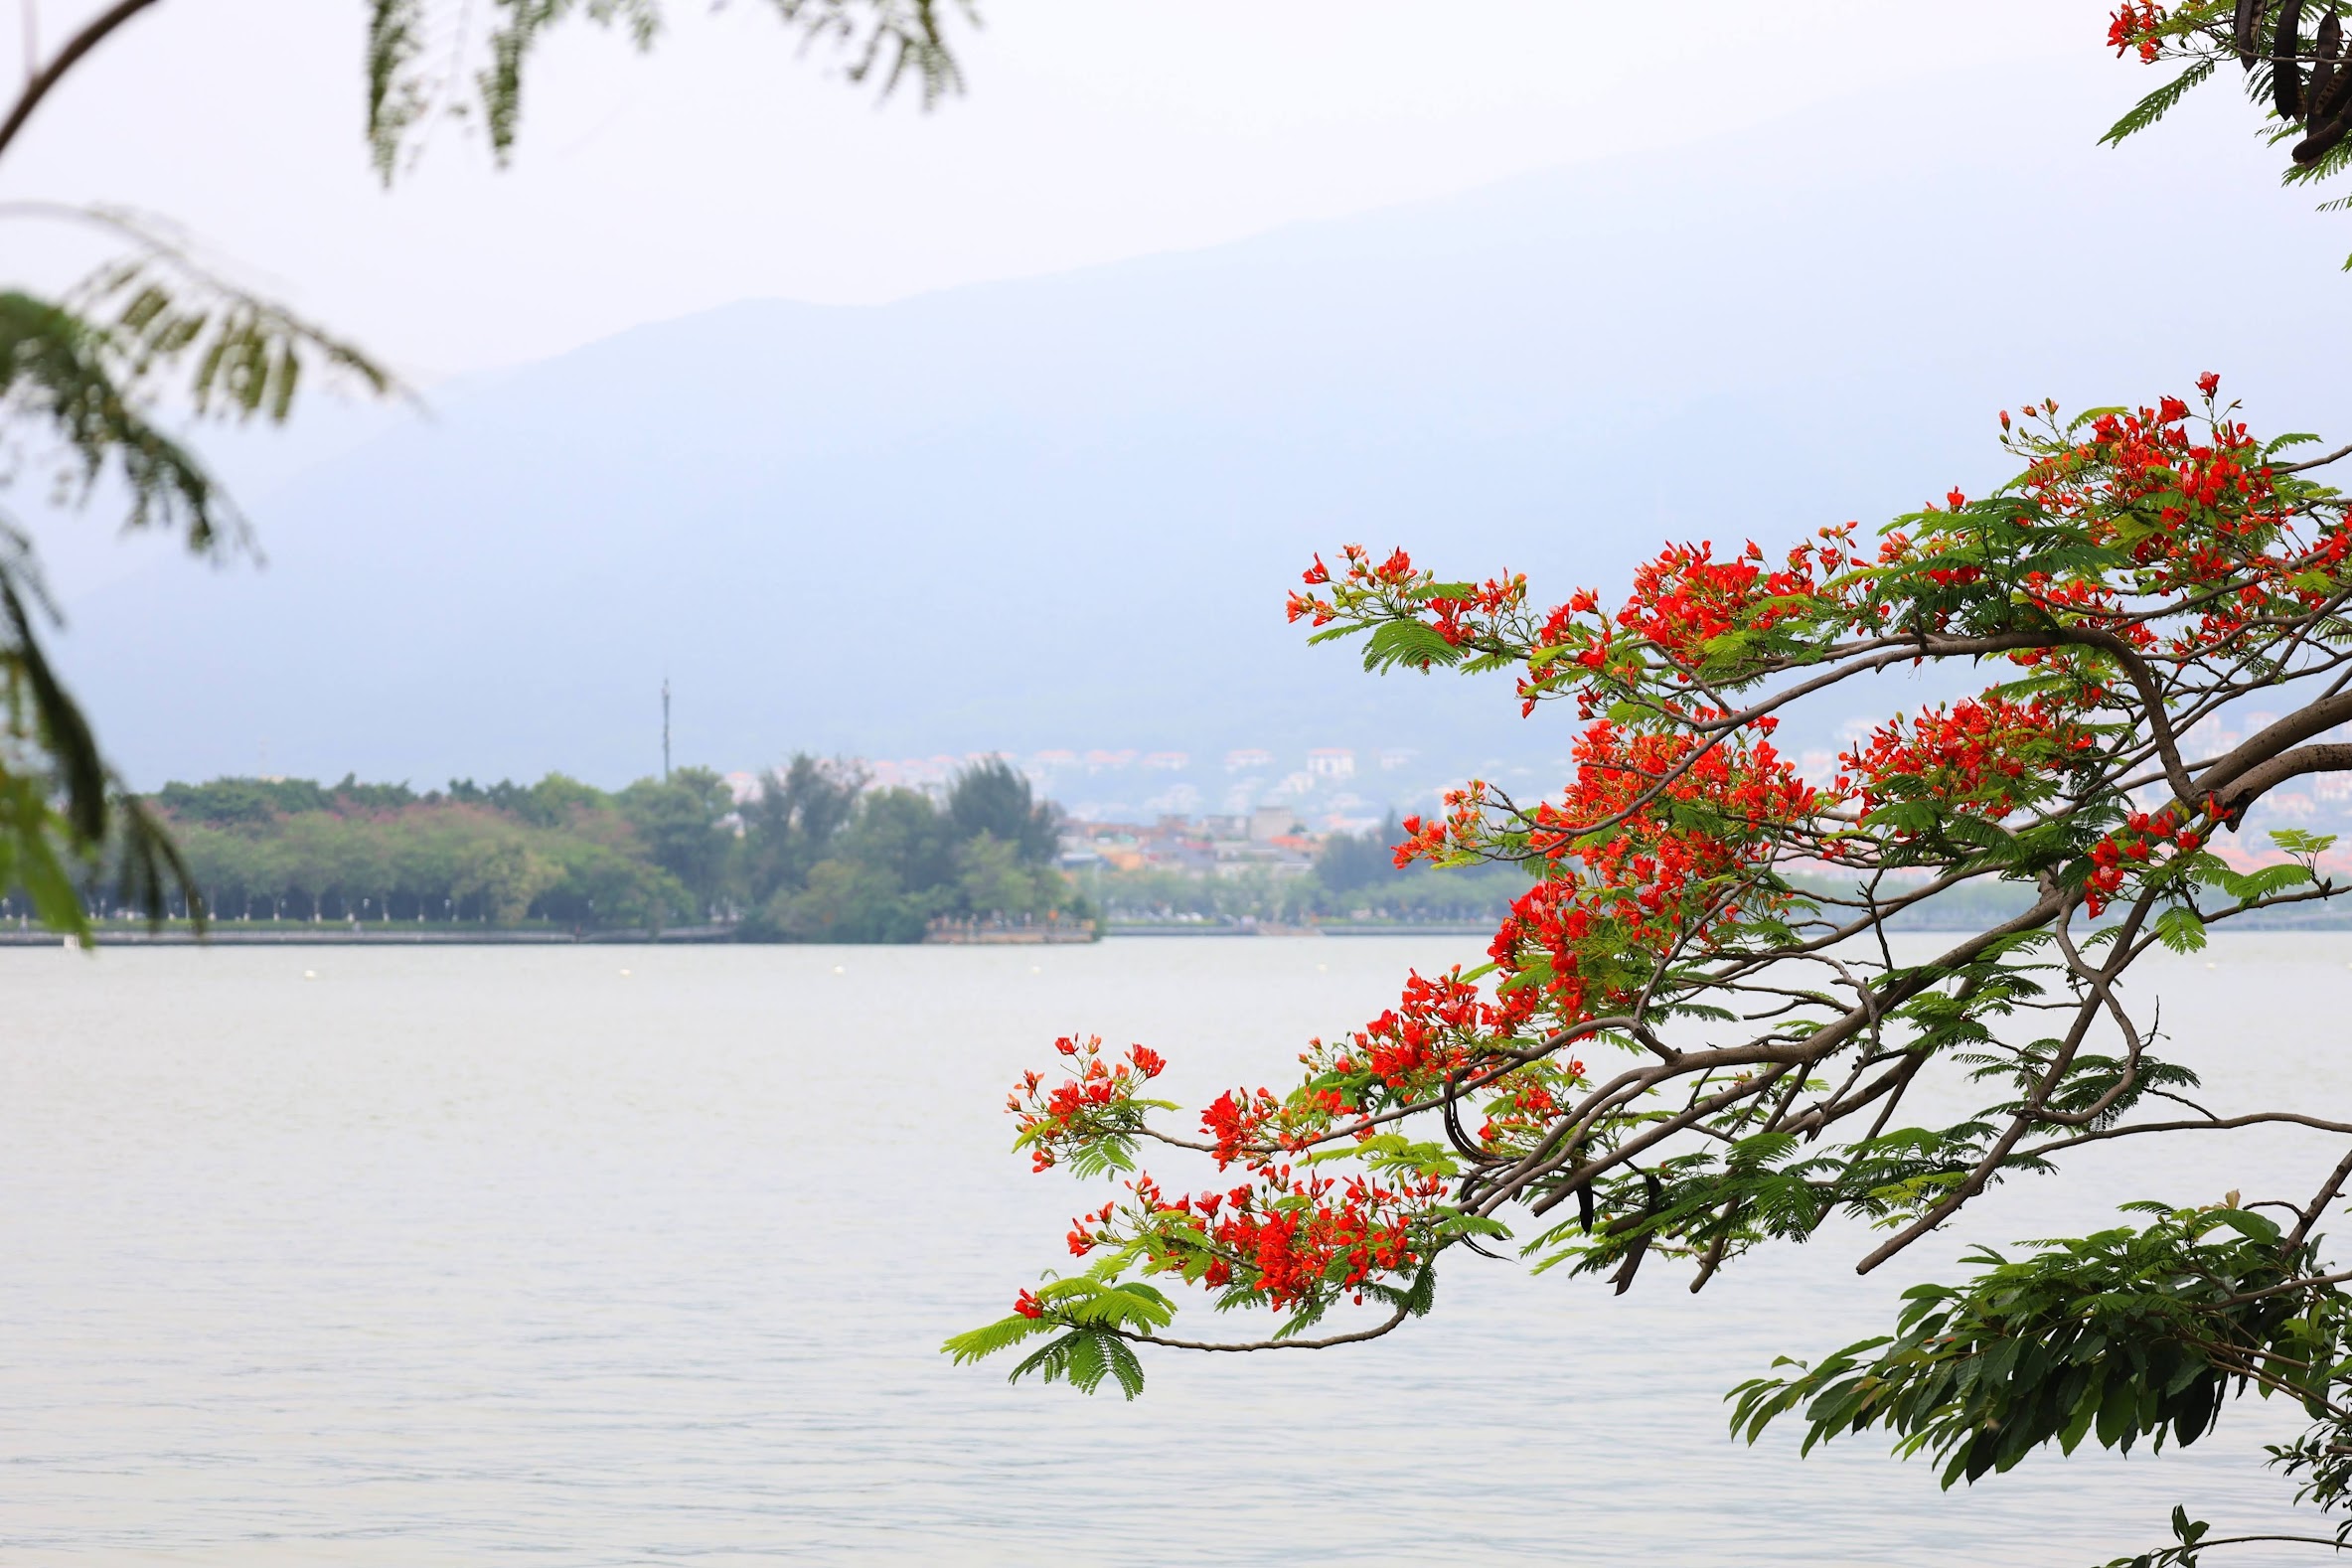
x=728 y=166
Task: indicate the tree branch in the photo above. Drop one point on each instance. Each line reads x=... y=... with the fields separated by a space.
x=80 y=43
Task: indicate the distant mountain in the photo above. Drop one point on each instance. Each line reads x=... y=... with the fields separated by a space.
x=1063 y=513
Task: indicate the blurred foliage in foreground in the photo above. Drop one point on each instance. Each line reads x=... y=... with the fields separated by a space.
x=100 y=385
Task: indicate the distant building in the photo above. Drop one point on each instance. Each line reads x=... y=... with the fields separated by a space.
x=1167 y=762
x=1331 y=762
x=1247 y=758
x=1269 y=823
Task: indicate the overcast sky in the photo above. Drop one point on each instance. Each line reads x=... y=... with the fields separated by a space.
x=727 y=165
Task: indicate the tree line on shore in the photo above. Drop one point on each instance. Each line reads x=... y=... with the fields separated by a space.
x=811 y=855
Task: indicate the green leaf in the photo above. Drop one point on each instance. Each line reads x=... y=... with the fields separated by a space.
x=2108 y=1333
x=2253 y=1226
x=1412 y=643
x=2179 y=929
x=1423 y=1293
x=2148 y=110
x=999 y=1336
x=1125 y=1368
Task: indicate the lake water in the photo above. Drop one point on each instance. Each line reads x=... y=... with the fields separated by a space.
x=608 y=1255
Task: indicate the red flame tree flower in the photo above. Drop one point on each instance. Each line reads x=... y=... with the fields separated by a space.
x=1687 y=1040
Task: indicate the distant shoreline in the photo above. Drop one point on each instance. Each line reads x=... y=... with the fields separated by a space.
x=706 y=936
x=226 y=935
x=1327 y=928
x=229 y=934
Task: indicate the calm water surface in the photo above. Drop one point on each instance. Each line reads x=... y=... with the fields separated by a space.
x=600 y=1256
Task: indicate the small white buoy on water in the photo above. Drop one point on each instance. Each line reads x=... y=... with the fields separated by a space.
x=310 y=973
x=836 y=969
x=624 y=974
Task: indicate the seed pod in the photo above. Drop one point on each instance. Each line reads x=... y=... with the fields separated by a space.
x=2325 y=77
x=2322 y=139
x=2246 y=32
x=2287 y=71
x=2332 y=100
x=1623 y=1279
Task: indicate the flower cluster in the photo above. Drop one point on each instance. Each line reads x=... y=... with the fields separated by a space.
x=1443 y=1029
x=2134 y=27
x=1282 y=1238
x=1686 y=609
x=1656 y=841
x=1531 y=1102
x=1457 y=617
x=2141 y=845
x=1286 y=1237
x=1461 y=832
x=1098 y=1099
x=1360 y=581
x=1685 y=599
x=1291 y=1237
x=1983 y=756
x=2203 y=542
x=1239 y=1121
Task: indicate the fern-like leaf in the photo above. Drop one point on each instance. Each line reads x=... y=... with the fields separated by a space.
x=2157 y=104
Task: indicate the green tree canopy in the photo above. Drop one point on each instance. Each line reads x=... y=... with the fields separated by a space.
x=685 y=821
x=826 y=860
x=994 y=797
x=791 y=823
